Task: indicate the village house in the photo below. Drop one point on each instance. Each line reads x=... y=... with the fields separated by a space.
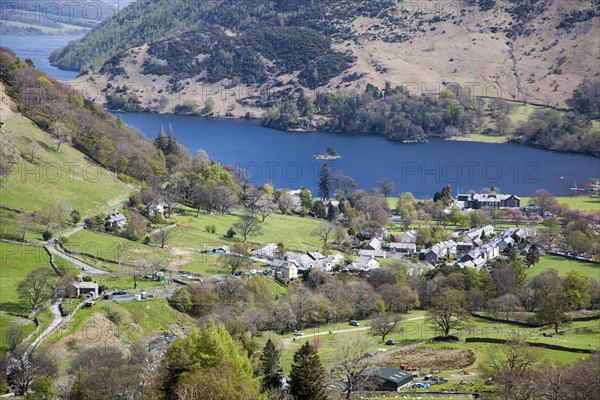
x=267 y=251
x=403 y=247
x=372 y=253
x=477 y=233
x=157 y=208
x=288 y=271
x=438 y=251
x=86 y=288
x=310 y=260
x=407 y=237
x=365 y=263
x=373 y=244
x=477 y=201
x=116 y=221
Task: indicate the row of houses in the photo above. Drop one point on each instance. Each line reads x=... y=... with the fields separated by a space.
x=478 y=253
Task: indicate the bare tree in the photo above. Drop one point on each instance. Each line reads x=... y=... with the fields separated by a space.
x=154 y=265
x=13 y=336
x=510 y=366
x=265 y=206
x=61 y=134
x=164 y=235
x=324 y=231
x=25 y=366
x=49 y=216
x=386 y=186
x=506 y=304
x=24 y=221
x=285 y=202
x=36 y=288
x=232 y=262
x=352 y=365
x=385 y=324
x=32 y=150
x=248 y=226
x=225 y=199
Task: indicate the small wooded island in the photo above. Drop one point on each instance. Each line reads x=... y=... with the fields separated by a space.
x=330 y=154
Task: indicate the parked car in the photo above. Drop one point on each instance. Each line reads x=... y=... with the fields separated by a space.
x=420 y=385
x=435 y=380
x=369 y=354
x=119 y=292
x=88 y=304
x=298 y=333
x=390 y=342
x=354 y=323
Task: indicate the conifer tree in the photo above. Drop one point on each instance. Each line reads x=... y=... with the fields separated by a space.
x=307 y=374
x=325 y=182
x=271 y=370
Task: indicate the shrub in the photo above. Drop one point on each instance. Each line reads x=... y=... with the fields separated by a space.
x=211 y=228
x=47 y=235
x=75 y=216
x=230 y=233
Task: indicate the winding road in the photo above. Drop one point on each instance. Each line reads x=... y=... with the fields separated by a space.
x=86 y=268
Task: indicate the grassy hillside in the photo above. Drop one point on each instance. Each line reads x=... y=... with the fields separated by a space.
x=190 y=237
x=24 y=326
x=118 y=322
x=17 y=261
x=67 y=176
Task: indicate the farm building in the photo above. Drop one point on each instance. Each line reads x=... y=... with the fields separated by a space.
x=84 y=288
x=388 y=379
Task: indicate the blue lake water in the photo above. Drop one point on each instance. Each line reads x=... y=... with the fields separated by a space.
x=38 y=48
x=285 y=157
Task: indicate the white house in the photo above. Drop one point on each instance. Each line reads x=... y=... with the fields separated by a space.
x=267 y=251
x=365 y=263
x=157 y=208
x=116 y=220
x=84 y=288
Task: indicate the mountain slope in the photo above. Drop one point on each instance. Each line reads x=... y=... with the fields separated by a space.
x=537 y=50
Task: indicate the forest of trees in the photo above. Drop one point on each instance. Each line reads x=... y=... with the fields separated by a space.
x=61 y=111
x=398 y=115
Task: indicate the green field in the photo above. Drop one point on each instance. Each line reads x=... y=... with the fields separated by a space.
x=66 y=177
x=564 y=265
x=581 y=203
x=25 y=328
x=112 y=247
x=10 y=229
x=420 y=330
x=521 y=112
x=293 y=231
x=17 y=261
